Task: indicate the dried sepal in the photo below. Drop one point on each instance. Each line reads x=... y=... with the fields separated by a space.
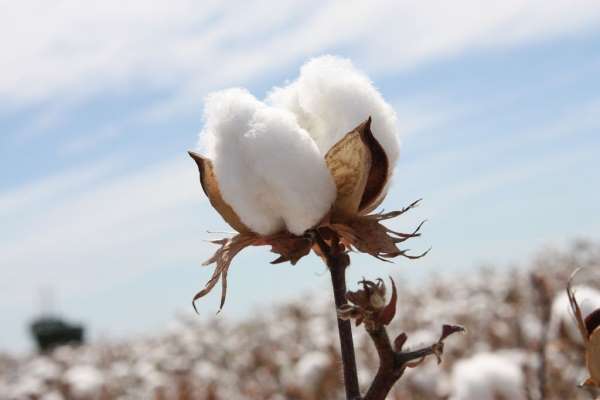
x=210 y=185
x=368 y=235
x=386 y=315
x=368 y=304
x=222 y=258
x=289 y=247
x=348 y=312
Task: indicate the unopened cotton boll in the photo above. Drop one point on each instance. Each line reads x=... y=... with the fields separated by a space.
x=269 y=169
x=331 y=97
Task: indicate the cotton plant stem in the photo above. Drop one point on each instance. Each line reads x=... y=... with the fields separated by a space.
x=387 y=373
x=337 y=261
x=338 y=279
x=392 y=364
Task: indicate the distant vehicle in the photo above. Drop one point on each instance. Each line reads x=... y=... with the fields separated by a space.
x=50 y=332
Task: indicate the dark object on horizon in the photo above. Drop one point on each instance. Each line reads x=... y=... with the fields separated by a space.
x=50 y=332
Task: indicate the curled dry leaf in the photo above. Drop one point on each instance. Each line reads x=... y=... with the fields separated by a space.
x=386 y=315
x=222 y=258
x=289 y=248
x=367 y=235
x=589 y=327
x=448 y=330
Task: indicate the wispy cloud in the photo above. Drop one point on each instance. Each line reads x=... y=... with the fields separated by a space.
x=134 y=221
x=190 y=47
x=23 y=200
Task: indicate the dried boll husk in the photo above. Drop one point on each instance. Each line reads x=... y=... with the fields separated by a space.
x=210 y=185
x=360 y=169
x=589 y=327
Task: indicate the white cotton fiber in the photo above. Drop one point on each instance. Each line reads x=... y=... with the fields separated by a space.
x=331 y=97
x=269 y=169
x=488 y=376
x=562 y=316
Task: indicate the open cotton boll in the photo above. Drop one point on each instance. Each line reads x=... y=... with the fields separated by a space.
x=331 y=97
x=269 y=169
x=562 y=316
x=488 y=376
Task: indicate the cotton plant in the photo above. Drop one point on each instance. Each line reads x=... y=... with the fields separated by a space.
x=304 y=170
x=588 y=324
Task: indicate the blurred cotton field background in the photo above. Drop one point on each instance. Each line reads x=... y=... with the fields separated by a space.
x=289 y=350
x=102 y=218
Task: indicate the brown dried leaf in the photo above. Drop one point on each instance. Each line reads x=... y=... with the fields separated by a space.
x=366 y=234
x=349 y=162
x=389 y=311
x=210 y=185
x=289 y=247
x=448 y=330
x=228 y=249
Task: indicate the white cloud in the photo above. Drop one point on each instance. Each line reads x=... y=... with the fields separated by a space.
x=76 y=48
x=136 y=221
x=26 y=198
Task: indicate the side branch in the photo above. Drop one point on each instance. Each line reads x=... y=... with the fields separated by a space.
x=393 y=361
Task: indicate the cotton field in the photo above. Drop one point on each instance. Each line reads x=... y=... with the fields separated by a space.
x=291 y=351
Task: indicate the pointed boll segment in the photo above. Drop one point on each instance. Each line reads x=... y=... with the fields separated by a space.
x=210 y=185
x=359 y=167
x=379 y=172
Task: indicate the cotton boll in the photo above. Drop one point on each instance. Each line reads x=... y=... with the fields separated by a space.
x=589 y=301
x=311 y=367
x=269 y=169
x=52 y=396
x=84 y=380
x=296 y=180
x=488 y=376
x=331 y=97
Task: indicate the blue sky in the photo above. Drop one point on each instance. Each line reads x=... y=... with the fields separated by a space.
x=499 y=107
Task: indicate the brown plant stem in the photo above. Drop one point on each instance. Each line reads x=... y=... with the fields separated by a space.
x=337 y=261
x=542 y=290
x=387 y=373
x=392 y=364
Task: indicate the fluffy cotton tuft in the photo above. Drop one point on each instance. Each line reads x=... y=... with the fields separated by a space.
x=488 y=376
x=269 y=169
x=562 y=316
x=331 y=97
